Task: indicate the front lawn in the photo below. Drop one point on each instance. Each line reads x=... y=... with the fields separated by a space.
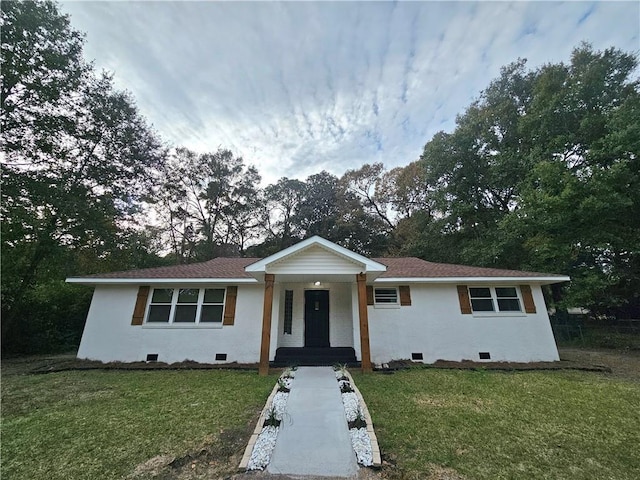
x=491 y=425
x=103 y=424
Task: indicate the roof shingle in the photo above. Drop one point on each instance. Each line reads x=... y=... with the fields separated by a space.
x=397 y=267
x=221 y=267
x=412 y=267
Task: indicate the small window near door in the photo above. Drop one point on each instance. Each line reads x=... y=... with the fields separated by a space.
x=385 y=296
x=288 y=310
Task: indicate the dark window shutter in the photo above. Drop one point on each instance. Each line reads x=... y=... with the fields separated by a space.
x=230 y=306
x=527 y=299
x=141 y=305
x=405 y=295
x=463 y=297
x=369 y=295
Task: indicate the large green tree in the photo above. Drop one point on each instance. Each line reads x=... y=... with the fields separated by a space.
x=282 y=201
x=77 y=157
x=208 y=204
x=579 y=209
x=541 y=172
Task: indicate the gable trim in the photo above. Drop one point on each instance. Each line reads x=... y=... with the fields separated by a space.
x=368 y=264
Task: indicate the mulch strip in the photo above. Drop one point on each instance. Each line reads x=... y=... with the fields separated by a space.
x=53 y=366
x=500 y=366
x=95 y=365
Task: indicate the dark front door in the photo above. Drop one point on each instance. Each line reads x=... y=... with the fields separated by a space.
x=316 y=318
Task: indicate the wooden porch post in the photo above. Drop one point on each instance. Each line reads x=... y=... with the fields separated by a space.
x=266 y=324
x=361 y=278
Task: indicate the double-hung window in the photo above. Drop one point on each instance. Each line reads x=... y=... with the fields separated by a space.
x=494 y=299
x=185 y=306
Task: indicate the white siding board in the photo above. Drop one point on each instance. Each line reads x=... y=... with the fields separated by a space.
x=314 y=260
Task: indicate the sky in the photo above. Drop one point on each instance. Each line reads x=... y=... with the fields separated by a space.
x=299 y=87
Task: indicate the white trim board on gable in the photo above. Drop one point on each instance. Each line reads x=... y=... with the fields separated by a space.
x=315 y=260
x=264 y=265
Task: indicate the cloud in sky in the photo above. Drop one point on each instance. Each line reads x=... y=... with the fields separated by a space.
x=297 y=87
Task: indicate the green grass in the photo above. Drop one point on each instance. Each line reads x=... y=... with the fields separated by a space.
x=493 y=425
x=100 y=425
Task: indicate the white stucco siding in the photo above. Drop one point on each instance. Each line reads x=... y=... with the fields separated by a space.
x=434 y=326
x=296 y=337
x=340 y=314
x=109 y=335
x=315 y=260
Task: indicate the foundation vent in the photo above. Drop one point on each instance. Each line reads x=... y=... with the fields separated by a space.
x=416 y=356
x=152 y=357
x=221 y=356
x=484 y=355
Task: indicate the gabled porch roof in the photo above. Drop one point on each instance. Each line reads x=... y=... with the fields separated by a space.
x=316 y=258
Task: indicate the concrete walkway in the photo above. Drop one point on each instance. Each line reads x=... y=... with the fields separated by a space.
x=314 y=437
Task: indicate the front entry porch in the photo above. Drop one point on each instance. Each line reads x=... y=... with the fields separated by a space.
x=315 y=297
x=315 y=356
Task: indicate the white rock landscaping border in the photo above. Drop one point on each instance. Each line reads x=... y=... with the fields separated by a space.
x=364 y=440
x=258 y=452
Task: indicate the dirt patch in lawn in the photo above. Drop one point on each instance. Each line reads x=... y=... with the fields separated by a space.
x=622 y=363
x=217 y=458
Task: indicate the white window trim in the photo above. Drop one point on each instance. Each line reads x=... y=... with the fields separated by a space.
x=174 y=303
x=386 y=304
x=494 y=299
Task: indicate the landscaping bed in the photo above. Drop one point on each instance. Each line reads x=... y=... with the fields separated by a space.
x=363 y=437
x=68 y=362
x=261 y=444
x=505 y=366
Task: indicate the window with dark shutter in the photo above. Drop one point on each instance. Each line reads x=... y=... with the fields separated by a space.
x=369 y=295
x=463 y=298
x=405 y=295
x=141 y=305
x=288 y=311
x=527 y=299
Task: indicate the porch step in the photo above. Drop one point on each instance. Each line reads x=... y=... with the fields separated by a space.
x=315 y=356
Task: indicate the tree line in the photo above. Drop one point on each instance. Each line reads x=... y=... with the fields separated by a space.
x=540 y=173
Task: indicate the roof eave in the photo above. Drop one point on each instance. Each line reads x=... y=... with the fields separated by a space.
x=156 y=281
x=476 y=280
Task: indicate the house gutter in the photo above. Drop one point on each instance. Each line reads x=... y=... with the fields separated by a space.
x=474 y=280
x=156 y=281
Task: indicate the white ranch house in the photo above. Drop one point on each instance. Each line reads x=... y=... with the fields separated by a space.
x=317 y=302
